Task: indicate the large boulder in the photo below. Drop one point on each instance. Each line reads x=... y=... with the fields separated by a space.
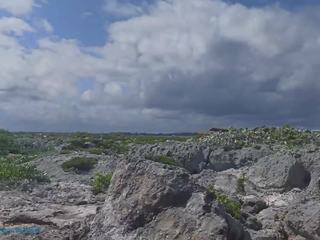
x=279 y=171
x=148 y=200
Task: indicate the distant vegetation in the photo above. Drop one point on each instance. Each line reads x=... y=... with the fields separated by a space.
x=79 y=164
x=7 y=143
x=21 y=144
x=101 y=182
x=116 y=143
x=244 y=137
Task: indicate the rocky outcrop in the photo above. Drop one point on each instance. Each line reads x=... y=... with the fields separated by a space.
x=303 y=219
x=55 y=212
x=195 y=156
x=189 y=155
x=148 y=200
x=276 y=187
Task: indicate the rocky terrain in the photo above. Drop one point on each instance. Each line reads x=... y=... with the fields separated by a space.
x=235 y=184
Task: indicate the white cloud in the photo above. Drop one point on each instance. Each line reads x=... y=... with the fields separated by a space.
x=44 y=24
x=14 y=25
x=213 y=58
x=182 y=66
x=17 y=7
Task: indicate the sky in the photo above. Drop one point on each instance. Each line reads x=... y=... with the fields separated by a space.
x=158 y=65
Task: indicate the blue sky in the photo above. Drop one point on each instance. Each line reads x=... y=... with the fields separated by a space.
x=73 y=19
x=158 y=65
x=87 y=21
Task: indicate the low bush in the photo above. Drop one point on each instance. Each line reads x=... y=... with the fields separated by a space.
x=79 y=164
x=12 y=170
x=101 y=182
x=7 y=144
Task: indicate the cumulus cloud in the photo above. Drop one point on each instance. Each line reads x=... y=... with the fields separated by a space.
x=216 y=59
x=181 y=65
x=12 y=25
x=17 y=7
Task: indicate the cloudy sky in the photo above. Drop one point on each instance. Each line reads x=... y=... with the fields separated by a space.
x=158 y=65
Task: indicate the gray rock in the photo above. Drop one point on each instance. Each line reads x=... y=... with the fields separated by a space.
x=189 y=155
x=303 y=219
x=253 y=205
x=54 y=219
x=148 y=200
x=221 y=159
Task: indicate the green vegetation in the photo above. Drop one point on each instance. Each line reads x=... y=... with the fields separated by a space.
x=244 y=137
x=101 y=182
x=79 y=164
x=241 y=184
x=7 y=143
x=16 y=152
x=116 y=143
x=97 y=151
x=24 y=144
x=152 y=139
x=16 y=169
x=162 y=159
x=231 y=206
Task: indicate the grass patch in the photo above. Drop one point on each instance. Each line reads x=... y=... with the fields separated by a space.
x=16 y=170
x=162 y=159
x=101 y=182
x=79 y=164
x=231 y=206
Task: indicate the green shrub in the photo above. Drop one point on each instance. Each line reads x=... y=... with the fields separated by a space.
x=79 y=164
x=161 y=159
x=101 y=182
x=14 y=171
x=7 y=144
x=231 y=206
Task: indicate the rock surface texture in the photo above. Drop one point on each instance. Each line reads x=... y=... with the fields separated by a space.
x=211 y=191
